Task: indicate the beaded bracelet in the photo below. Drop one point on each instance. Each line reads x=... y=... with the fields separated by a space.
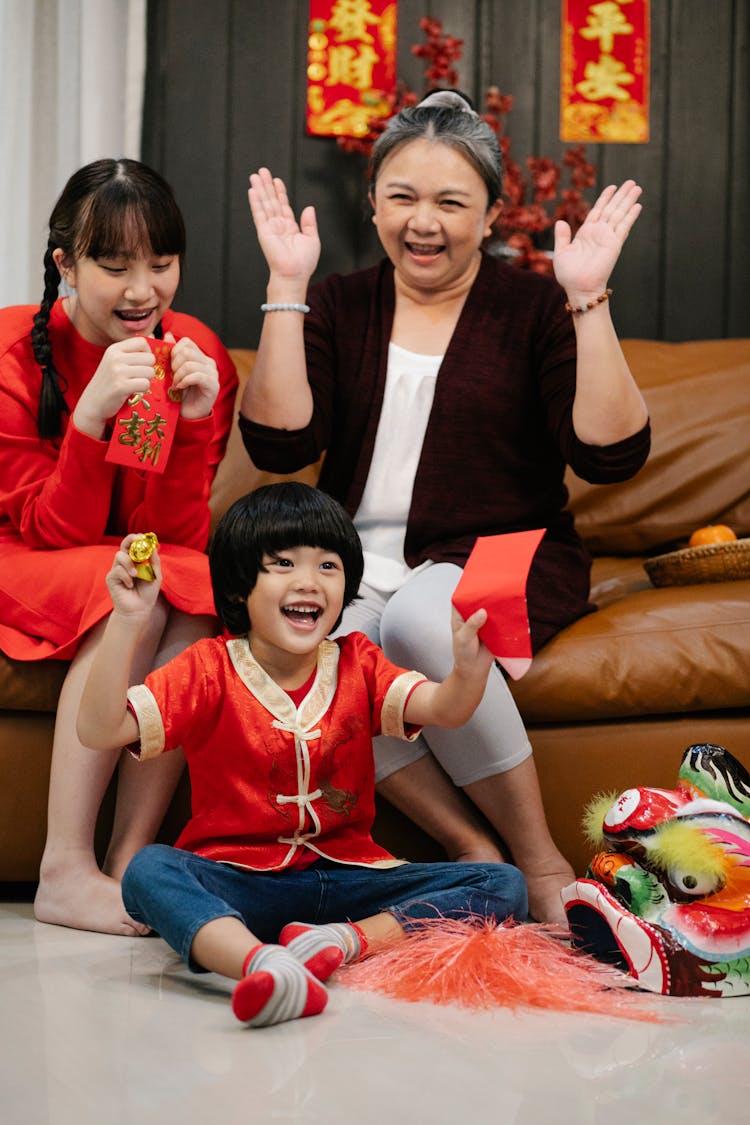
x=285 y=308
x=580 y=309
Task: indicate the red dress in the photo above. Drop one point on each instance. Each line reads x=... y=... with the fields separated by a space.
x=64 y=510
x=273 y=785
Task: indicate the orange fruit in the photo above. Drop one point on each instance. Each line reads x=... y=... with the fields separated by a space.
x=713 y=533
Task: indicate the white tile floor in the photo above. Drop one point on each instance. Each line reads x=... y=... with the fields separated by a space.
x=114 y=1031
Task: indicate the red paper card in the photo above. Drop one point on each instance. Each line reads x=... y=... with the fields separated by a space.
x=494 y=579
x=144 y=428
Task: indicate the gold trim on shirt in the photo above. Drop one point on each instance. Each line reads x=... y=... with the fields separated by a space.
x=150 y=723
x=392 y=715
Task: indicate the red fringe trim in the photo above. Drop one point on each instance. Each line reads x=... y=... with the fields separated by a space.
x=479 y=964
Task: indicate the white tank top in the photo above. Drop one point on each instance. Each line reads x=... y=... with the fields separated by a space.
x=384 y=507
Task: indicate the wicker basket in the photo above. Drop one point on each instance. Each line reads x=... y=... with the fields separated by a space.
x=715 y=562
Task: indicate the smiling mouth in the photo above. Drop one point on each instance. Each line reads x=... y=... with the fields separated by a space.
x=302 y=614
x=133 y=316
x=423 y=250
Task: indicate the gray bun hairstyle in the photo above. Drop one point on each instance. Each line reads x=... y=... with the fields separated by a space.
x=444 y=117
x=452 y=99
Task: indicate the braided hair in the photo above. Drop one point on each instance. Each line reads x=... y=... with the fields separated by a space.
x=105 y=207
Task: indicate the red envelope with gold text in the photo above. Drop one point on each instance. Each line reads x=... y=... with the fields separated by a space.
x=494 y=579
x=144 y=428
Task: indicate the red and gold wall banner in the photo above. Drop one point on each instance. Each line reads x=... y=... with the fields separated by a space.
x=604 y=71
x=351 y=65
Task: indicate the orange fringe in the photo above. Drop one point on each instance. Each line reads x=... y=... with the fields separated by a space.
x=479 y=964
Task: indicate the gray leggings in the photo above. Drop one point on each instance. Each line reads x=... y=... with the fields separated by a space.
x=413 y=628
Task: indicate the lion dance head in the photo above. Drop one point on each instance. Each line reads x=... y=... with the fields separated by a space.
x=667 y=896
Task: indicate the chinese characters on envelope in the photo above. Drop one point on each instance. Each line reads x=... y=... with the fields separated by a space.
x=143 y=431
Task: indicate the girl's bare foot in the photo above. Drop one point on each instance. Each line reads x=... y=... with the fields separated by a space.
x=91 y=901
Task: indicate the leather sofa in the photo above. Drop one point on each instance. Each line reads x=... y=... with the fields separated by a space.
x=615 y=698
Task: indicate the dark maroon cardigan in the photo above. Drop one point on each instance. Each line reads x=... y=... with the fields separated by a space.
x=499 y=434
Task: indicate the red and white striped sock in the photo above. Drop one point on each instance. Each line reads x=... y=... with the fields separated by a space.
x=323 y=949
x=275 y=987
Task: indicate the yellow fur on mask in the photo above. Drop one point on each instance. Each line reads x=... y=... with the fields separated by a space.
x=679 y=844
x=593 y=817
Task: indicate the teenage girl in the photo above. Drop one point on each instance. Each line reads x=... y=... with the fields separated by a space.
x=116 y=240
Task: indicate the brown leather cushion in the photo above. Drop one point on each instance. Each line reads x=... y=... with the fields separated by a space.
x=28 y=686
x=699 y=402
x=658 y=652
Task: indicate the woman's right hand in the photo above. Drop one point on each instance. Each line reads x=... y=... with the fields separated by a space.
x=127 y=368
x=292 y=250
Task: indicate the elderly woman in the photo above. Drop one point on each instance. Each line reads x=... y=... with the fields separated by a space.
x=448 y=391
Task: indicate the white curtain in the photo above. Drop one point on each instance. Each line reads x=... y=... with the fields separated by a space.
x=71 y=91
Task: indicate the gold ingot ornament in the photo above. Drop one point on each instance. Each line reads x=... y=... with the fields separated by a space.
x=140 y=551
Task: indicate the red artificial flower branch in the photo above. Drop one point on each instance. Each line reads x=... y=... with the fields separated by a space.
x=441 y=51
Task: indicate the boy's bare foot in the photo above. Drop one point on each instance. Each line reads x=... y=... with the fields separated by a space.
x=85 y=902
x=545 y=904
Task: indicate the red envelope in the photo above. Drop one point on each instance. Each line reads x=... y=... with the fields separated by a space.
x=494 y=579
x=144 y=428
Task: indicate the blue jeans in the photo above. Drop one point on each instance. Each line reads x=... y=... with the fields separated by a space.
x=176 y=893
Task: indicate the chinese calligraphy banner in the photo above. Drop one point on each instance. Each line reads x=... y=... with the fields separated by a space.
x=351 y=65
x=604 y=72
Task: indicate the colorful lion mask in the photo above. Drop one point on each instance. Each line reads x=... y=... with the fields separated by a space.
x=668 y=895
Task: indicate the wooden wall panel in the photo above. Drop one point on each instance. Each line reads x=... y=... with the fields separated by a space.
x=186 y=136
x=738 y=230
x=267 y=45
x=639 y=277
x=697 y=167
x=226 y=93
x=511 y=63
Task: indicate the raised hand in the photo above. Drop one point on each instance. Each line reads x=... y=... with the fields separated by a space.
x=292 y=250
x=127 y=368
x=583 y=264
x=132 y=597
x=195 y=375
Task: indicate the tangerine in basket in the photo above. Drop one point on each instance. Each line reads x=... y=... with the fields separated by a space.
x=713 y=533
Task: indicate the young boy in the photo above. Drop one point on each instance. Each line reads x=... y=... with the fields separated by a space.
x=276 y=724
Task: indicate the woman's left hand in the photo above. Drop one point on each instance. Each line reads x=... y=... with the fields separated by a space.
x=583 y=264
x=195 y=375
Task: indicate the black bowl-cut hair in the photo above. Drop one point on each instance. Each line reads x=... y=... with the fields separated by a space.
x=275 y=518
